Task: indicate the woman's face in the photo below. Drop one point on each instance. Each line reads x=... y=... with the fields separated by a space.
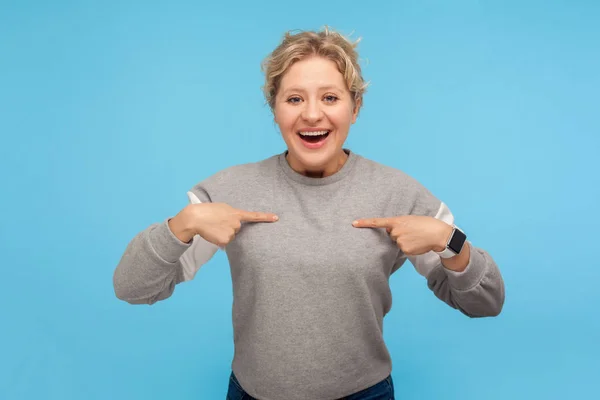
x=314 y=111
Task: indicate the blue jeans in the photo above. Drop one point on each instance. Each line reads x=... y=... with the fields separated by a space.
x=383 y=390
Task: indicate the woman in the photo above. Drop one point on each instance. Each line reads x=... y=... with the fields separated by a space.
x=312 y=236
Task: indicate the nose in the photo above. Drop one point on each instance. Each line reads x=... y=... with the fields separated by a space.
x=312 y=112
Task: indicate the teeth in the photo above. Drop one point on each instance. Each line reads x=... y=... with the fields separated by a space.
x=317 y=133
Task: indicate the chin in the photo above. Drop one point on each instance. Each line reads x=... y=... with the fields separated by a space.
x=314 y=160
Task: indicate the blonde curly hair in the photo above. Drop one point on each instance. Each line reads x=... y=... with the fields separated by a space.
x=325 y=43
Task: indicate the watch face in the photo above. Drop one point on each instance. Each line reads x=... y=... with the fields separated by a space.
x=457 y=241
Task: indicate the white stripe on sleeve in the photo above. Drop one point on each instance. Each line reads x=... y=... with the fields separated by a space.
x=199 y=253
x=424 y=263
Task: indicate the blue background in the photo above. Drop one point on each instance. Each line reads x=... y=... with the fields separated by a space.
x=111 y=111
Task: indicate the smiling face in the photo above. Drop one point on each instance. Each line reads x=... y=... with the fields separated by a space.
x=314 y=111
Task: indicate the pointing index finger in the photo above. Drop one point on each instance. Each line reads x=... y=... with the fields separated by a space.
x=373 y=223
x=252 y=216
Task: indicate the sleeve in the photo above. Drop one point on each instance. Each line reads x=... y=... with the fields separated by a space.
x=155 y=260
x=478 y=291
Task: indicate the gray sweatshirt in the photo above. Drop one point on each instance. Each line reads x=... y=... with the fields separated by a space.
x=310 y=291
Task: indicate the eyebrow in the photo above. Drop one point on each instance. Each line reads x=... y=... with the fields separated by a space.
x=327 y=87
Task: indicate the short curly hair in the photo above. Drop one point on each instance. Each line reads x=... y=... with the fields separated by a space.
x=325 y=43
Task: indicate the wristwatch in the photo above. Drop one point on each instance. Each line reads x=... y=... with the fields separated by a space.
x=455 y=243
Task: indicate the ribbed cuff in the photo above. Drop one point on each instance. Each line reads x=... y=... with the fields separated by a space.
x=472 y=274
x=166 y=244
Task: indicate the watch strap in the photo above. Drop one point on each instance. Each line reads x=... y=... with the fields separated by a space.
x=447 y=253
x=451 y=249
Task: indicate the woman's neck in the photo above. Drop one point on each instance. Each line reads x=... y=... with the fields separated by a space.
x=329 y=170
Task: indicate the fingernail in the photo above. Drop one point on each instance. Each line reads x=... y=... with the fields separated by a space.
x=354 y=223
x=275 y=218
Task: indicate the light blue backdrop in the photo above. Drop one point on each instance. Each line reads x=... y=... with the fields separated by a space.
x=111 y=111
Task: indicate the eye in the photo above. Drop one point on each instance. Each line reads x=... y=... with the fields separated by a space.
x=331 y=98
x=294 y=100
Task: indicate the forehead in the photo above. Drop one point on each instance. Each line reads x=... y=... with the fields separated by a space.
x=313 y=73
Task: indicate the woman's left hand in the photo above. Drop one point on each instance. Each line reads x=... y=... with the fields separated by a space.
x=414 y=234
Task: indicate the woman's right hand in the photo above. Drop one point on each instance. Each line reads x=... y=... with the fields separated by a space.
x=217 y=223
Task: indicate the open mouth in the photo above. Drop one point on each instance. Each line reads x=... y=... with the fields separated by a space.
x=313 y=137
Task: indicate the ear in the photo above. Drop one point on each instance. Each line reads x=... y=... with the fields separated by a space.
x=357 y=105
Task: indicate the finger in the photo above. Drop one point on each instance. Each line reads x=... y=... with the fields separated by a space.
x=373 y=223
x=252 y=216
x=392 y=233
x=237 y=227
x=396 y=231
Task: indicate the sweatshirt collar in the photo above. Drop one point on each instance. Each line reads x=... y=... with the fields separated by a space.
x=306 y=180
